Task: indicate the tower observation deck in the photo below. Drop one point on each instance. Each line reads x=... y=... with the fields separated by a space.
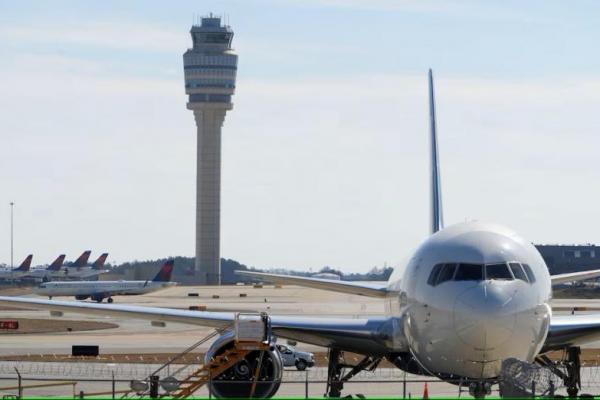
x=210 y=68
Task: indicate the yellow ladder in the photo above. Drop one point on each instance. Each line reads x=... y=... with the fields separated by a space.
x=215 y=367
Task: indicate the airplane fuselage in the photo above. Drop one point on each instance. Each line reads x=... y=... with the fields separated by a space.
x=99 y=288
x=473 y=295
x=11 y=274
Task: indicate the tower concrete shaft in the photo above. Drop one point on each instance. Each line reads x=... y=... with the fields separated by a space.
x=209 y=121
x=210 y=71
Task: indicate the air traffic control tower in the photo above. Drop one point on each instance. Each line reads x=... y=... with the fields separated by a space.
x=210 y=69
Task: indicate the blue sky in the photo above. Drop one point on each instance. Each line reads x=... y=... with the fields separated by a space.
x=325 y=151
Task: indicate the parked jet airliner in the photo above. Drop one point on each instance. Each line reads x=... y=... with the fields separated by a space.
x=100 y=290
x=19 y=272
x=50 y=271
x=82 y=271
x=71 y=270
x=472 y=295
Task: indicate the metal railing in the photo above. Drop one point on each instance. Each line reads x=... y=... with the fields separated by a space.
x=82 y=379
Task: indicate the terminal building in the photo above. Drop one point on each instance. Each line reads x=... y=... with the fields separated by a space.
x=561 y=259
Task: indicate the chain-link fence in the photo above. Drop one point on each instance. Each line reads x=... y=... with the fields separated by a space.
x=31 y=379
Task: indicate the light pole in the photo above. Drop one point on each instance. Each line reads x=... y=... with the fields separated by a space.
x=12 y=206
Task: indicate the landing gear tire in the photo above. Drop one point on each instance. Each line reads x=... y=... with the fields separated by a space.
x=98 y=299
x=109 y=300
x=480 y=389
x=301 y=365
x=49 y=297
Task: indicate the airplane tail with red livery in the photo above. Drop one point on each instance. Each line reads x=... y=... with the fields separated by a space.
x=56 y=264
x=164 y=275
x=25 y=265
x=82 y=260
x=99 y=263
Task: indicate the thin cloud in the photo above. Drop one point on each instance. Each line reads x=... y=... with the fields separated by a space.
x=105 y=34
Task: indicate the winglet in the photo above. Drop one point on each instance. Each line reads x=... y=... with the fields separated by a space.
x=164 y=275
x=369 y=289
x=26 y=264
x=99 y=263
x=574 y=276
x=55 y=266
x=437 y=218
x=82 y=260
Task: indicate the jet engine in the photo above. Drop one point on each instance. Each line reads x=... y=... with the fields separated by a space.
x=237 y=381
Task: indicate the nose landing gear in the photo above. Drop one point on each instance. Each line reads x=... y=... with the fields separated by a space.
x=480 y=389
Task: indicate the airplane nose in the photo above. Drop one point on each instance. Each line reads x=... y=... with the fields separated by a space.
x=482 y=315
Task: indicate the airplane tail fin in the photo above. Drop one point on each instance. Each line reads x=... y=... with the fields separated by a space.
x=99 y=263
x=26 y=264
x=437 y=218
x=55 y=266
x=82 y=260
x=164 y=275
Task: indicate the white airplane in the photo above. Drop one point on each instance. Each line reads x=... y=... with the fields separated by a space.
x=473 y=295
x=100 y=290
x=74 y=270
x=80 y=270
x=19 y=272
x=50 y=271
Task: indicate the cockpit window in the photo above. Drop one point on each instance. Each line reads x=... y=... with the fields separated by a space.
x=469 y=272
x=529 y=273
x=517 y=271
x=446 y=273
x=434 y=274
x=498 y=272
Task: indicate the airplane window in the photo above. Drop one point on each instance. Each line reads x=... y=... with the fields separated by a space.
x=498 y=272
x=518 y=271
x=529 y=273
x=446 y=273
x=434 y=274
x=469 y=272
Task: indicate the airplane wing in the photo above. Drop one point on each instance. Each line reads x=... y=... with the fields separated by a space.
x=351 y=334
x=572 y=330
x=359 y=288
x=574 y=276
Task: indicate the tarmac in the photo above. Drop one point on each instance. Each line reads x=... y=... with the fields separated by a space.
x=140 y=338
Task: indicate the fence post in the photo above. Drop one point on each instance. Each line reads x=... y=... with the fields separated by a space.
x=551 y=389
x=404 y=386
x=209 y=385
x=20 y=384
x=533 y=389
x=306 y=384
x=113 y=385
x=154 y=386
